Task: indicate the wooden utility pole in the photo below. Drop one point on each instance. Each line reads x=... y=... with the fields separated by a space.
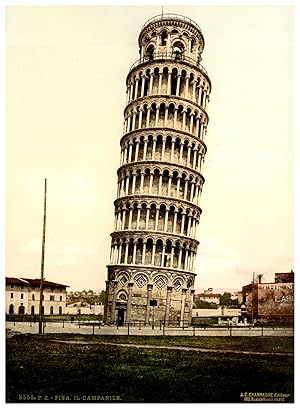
x=42 y=262
x=253 y=296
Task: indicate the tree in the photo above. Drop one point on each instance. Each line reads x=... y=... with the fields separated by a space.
x=204 y=304
x=102 y=296
x=225 y=299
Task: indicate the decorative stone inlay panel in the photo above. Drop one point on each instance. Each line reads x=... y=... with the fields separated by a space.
x=141 y=280
x=123 y=279
x=122 y=295
x=160 y=281
x=177 y=283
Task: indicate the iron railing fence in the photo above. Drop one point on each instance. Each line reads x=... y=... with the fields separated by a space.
x=157 y=328
x=174 y=56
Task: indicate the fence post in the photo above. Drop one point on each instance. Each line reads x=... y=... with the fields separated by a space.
x=262 y=330
x=163 y=324
x=14 y=322
x=128 y=328
x=230 y=329
x=194 y=330
x=63 y=324
x=93 y=328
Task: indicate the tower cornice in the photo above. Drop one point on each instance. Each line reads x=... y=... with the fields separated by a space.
x=162 y=165
x=169 y=60
x=158 y=200
x=166 y=99
x=163 y=131
x=155 y=235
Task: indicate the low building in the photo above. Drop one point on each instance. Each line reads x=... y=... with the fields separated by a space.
x=221 y=314
x=270 y=302
x=209 y=296
x=22 y=296
x=84 y=308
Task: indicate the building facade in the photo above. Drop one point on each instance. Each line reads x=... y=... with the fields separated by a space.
x=157 y=211
x=209 y=296
x=270 y=302
x=22 y=296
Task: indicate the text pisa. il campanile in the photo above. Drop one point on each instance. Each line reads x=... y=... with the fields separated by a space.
x=151 y=273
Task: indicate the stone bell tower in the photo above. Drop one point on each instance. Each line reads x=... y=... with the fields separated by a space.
x=151 y=273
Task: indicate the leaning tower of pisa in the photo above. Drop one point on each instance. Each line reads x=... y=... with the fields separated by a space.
x=151 y=273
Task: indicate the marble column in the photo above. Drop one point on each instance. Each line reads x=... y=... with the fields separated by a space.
x=168 y=301
x=129 y=301
x=113 y=306
x=149 y=297
x=182 y=307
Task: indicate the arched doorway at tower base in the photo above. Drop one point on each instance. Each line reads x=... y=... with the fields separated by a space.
x=121 y=315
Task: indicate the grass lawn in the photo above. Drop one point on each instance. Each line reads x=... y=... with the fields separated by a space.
x=37 y=365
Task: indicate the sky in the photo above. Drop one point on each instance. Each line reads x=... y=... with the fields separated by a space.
x=66 y=68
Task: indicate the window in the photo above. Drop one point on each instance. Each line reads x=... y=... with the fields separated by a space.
x=164 y=37
x=33 y=296
x=178 y=49
x=192 y=45
x=22 y=296
x=21 y=309
x=12 y=286
x=51 y=310
x=11 y=295
x=51 y=297
x=173 y=84
x=60 y=298
x=150 y=52
x=60 y=310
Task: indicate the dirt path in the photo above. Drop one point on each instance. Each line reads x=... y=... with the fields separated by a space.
x=173 y=347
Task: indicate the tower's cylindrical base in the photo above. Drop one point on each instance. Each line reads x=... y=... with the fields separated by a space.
x=153 y=296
